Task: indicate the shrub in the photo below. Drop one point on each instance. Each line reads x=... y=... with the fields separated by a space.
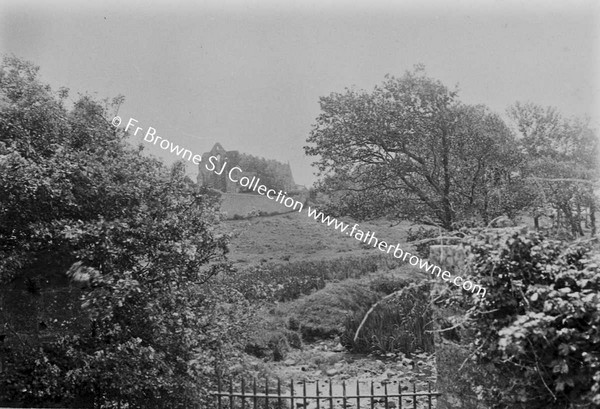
x=272 y=345
x=539 y=324
x=79 y=192
x=293 y=324
x=294 y=339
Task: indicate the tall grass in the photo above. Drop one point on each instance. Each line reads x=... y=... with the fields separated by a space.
x=399 y=324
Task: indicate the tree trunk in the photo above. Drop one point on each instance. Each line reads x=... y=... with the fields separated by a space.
x=447 y=220
x=536 y=222
x=570 y=219
x=593 y=217
x=486 y=216
x=579 y=230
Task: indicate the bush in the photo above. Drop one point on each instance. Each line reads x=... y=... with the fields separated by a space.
x=293 y=324
x=272 y=345
x=294 y=339
x=539 y=323
x=80 y=193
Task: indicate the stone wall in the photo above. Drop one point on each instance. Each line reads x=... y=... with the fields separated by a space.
x=456 y=372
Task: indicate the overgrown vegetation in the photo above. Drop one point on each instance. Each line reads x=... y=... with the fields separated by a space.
x=400 y=323
x=537 y=332
x=289 y=281
x=71 y=189
x=322 y=314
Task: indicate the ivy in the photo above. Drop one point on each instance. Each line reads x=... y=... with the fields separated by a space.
x=539 y=325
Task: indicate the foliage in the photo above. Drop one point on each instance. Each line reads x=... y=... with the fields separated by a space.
x=322 y=314
x=422 y=234
x=389 y=283
x=71 y=189
x=285 y=282
x=271 y=345
x=398 y=324
x=561 y=166
x=411 y=150
x=273 y=174
x=269 y=337
x=539 y=324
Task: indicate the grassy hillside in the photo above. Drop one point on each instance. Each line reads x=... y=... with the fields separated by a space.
x=242 y=204
x=295 y=236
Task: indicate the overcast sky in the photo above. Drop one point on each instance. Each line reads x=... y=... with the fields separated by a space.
x=249 y=74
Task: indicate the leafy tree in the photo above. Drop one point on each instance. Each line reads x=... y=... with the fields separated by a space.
x=410 y=149
x=561 y=164
x=74 y=196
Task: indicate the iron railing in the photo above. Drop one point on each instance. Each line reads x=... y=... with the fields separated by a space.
x=313 y=394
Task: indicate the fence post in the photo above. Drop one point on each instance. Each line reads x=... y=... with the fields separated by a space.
x=219 y=391
x=400 y=397
x=330 y=395
x=254 y=398
x=415 y=395
x=267 y=392
x=279 y=393
x=304 y=392
x=292 y=393
x=230 y=393
x=318 y=396
x=357 y=394
x=243 y=393
x=429 y=390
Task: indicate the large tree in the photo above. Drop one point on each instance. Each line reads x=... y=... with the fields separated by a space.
x=411 y=149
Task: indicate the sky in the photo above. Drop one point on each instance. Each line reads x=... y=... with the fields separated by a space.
x=249 y=74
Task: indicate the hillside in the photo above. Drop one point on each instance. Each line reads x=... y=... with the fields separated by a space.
x=295 y=236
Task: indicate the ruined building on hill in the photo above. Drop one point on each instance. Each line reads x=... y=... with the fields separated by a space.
x=273 y=174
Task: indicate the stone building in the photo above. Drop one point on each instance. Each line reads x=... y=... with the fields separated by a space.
x=210 y=178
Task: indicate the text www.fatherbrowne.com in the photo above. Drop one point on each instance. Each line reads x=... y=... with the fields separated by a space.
x=237 y=175
x=370 y=239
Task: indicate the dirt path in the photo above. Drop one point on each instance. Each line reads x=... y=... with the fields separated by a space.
x=328 y=368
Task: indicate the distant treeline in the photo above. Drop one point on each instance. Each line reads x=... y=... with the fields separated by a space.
x=272 y=173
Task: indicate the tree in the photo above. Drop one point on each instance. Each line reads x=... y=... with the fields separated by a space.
x=561 y=164
x=411 y=150
x=74 y=193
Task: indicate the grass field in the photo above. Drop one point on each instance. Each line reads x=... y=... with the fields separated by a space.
x=295 y=237
x=239 y=204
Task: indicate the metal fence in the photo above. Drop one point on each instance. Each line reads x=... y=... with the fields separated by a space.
x=322 y=394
